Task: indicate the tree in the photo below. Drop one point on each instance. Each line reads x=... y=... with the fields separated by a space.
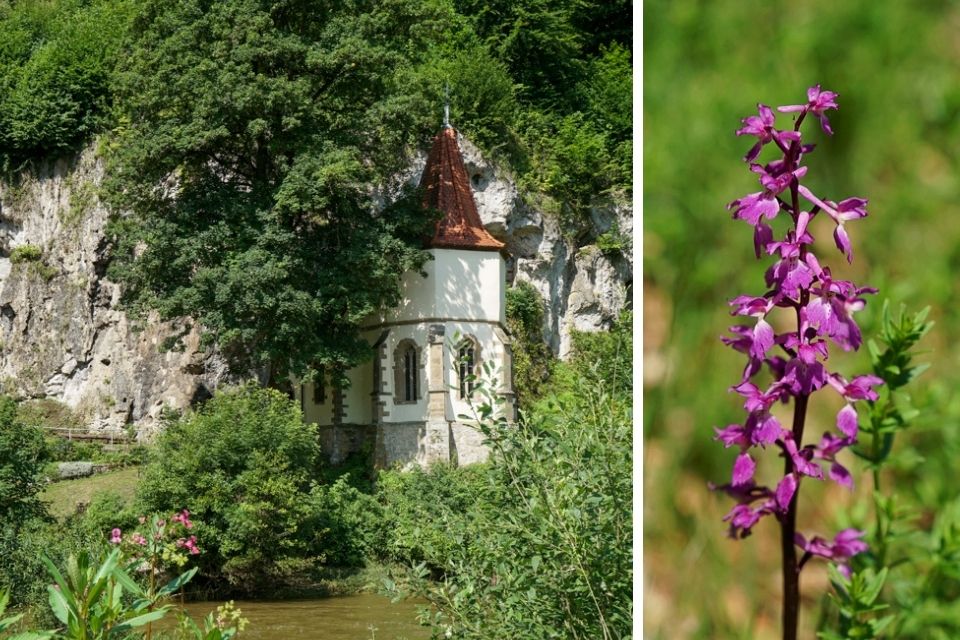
x=252 y=136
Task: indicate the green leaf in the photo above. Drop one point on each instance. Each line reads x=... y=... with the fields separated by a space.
x=58 y=578
x=59 y=605
x=873 y=587
x=8 y=622
x=138 y=621
x=882 y=623
x=174 y=585
x=128 y=583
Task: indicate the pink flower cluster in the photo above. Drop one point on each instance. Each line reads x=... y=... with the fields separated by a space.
x=190 y=544
x=161 y=538
x=183 y=518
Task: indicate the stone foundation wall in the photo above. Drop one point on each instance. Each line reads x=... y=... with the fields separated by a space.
x=338 y=441
x=466 y=445
x=405 y=443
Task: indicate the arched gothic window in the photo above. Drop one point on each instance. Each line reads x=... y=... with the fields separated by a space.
x=406 y=367
x=468 y=358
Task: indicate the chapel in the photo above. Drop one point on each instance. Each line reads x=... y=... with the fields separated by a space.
x=405 y=404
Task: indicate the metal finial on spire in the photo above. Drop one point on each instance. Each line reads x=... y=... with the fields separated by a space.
x=446 y=106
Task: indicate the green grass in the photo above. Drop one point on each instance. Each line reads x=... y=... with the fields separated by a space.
x=63 y=496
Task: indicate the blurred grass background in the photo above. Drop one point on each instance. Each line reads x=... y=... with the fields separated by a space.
x=896 y=66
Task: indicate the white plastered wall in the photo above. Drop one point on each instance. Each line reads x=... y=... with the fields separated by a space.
x=316 y=413
x=356 y=398
x=491 y=350
x=460 y=285
x=464 y=292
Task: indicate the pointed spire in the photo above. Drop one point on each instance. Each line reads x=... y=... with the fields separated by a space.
x=446 y=107
x=446 y=187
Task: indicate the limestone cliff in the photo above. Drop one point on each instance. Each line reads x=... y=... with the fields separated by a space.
x=62 y=333
x=63 y=336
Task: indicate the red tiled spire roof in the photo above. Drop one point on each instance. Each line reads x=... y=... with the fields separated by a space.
x=446 y=187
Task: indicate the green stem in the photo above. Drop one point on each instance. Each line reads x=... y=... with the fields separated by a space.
x=877 y=445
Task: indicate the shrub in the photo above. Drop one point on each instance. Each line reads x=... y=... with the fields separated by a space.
x=543 y=550
x=23 y=454
x=25 y=253
x=345 y=523
x=105 y=511
x=606 y=356
x=47 y=412
x=21 y=566
x=425 y=513
x=531 y=355
x=243 y=464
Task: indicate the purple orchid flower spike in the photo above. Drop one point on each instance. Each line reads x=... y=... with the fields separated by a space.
x=797 y=357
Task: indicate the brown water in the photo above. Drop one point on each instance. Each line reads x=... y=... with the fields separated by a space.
x=357 y=617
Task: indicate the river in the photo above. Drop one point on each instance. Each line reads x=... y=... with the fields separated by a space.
x=356 y=617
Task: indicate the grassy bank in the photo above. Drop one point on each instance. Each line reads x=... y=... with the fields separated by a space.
x=63 y=497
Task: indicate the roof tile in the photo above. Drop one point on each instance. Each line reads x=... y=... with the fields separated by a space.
x=446 y=187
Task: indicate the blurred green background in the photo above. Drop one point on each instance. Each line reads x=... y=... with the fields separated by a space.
x=896 y=66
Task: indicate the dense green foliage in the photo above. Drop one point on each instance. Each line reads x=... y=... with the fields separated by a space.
x=427 y=514
x=23 y=547
x=347 y=523
x=531 y=355
x=537 y=542
x=249 y=140
x=272 y=121
x=602 y=358
x=56 y=68
x=23 y=453
x=243 y=465
x=252 y=132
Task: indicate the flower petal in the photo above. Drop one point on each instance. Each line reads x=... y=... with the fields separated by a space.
x=785 y=490
x=743 y=469
x=842 y=240
x=847 y=421
x=840 y=475
x=762 y=339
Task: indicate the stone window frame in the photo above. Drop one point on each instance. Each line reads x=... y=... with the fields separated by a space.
x=400 y=371
x=466 y=368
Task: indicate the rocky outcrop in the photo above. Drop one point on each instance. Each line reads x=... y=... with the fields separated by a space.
x=586 y=280
x=64 y=336
x=62 y=331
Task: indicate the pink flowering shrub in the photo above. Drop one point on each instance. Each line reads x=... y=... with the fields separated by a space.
x=158 y=544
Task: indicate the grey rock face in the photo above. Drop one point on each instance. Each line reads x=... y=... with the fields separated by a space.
x=70 y=470
x=63 y=335
x=585 y=286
